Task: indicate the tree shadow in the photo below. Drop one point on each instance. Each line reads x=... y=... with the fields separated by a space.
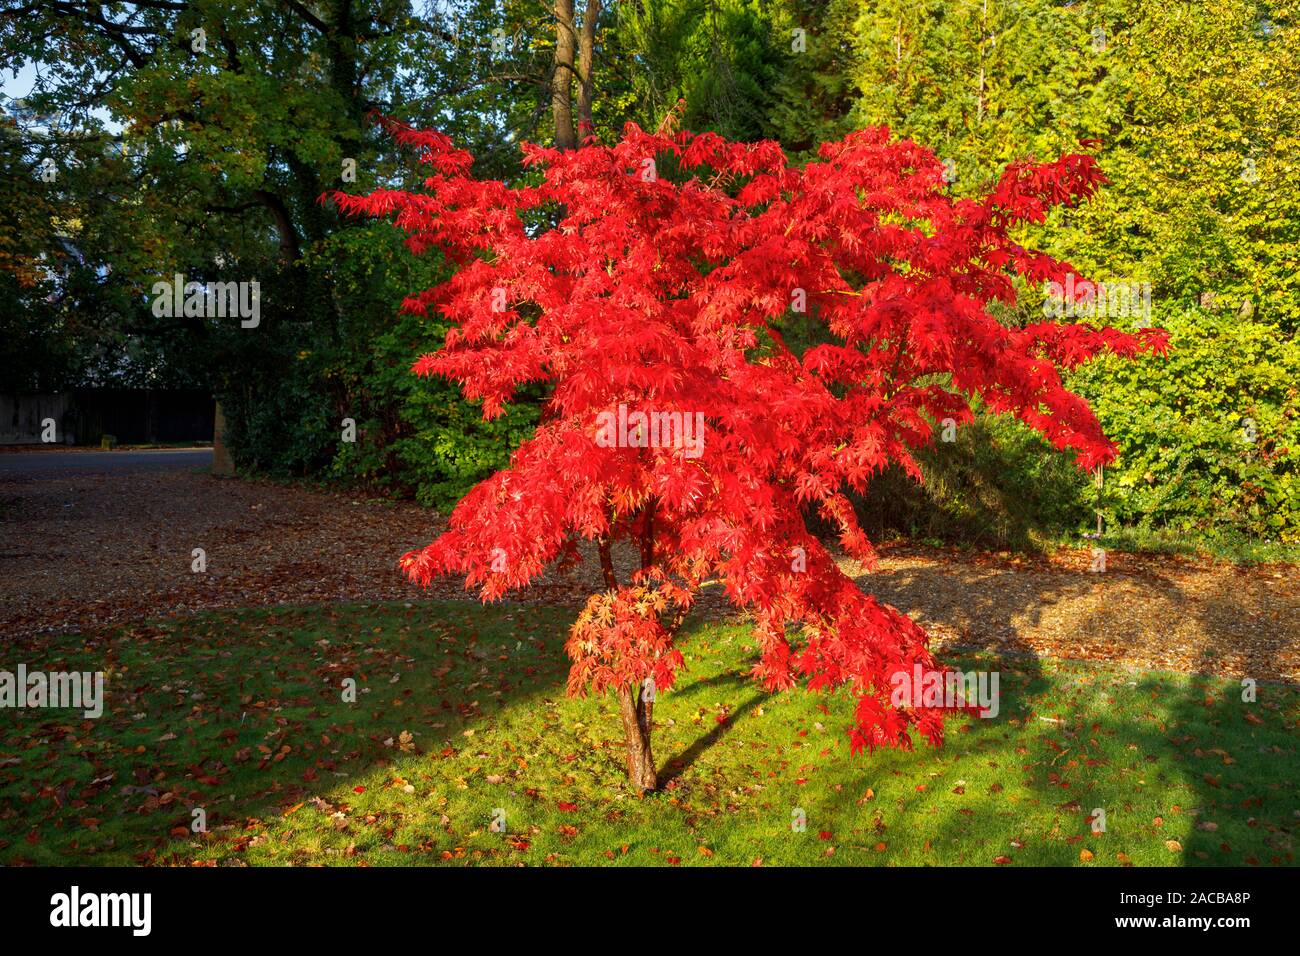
x=1107 y=734
x=194 y=720
x=677 y=766
x=219 y=700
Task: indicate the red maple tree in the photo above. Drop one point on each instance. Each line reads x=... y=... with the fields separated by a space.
x=677 y=417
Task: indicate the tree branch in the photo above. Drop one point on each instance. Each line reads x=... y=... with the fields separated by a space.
x=607 y=563
x=290 y=247
x=307 y=16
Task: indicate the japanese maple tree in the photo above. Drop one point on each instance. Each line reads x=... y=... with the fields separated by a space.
x=655 y=298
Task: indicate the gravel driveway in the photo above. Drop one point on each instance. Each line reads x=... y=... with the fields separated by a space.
x=89 y=539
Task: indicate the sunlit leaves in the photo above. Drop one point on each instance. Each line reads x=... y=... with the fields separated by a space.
x=651 y=295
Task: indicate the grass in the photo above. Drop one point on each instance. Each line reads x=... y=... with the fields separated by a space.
x=461 y=711
x=1230 y=547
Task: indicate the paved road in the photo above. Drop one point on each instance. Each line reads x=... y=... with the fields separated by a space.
x=99 y=462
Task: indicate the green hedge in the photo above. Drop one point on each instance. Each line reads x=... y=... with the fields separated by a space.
x=1209 y=439
x=1209 y=435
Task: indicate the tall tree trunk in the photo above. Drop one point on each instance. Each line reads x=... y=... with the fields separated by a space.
x=562 y=76
x=638 y=716
x=587 y=68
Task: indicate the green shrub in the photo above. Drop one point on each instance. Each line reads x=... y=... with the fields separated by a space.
x=310 y=368
x=1209 y=444
x=1209 y=435
x=999 y=484
x=418 y=437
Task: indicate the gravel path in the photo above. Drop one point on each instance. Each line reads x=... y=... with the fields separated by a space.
x=88 y=546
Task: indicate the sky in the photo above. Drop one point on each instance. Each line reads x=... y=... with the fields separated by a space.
x=17 y=83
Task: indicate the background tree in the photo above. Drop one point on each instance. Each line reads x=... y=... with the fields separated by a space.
x=211 y=163
x=1198 y=137
x=196 y=137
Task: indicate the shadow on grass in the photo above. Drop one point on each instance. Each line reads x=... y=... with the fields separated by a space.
x=678 y=765
x=1103 y=739
x=242 y=715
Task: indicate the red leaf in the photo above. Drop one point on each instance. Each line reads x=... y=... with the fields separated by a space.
x=680 y=423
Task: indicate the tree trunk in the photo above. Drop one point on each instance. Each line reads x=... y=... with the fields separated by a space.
x=562 y=77
x=637 y=725
x=587 y=68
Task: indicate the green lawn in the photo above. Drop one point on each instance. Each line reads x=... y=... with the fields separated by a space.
x=461 y=711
